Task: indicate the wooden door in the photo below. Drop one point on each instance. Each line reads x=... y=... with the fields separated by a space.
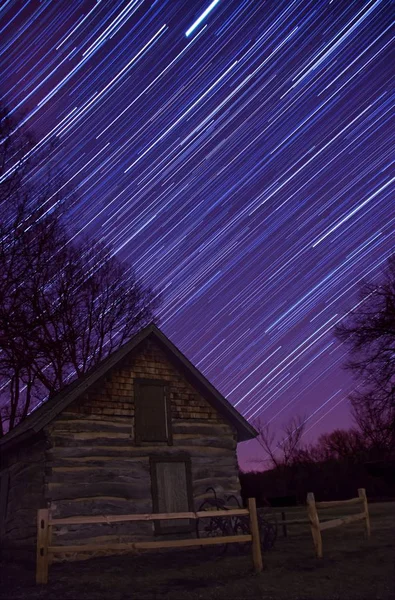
x=171 y=492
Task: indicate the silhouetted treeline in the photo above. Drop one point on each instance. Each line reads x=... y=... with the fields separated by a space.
x=329 y=480
x=334 y=468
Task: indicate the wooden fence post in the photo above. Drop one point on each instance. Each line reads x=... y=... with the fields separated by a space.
x=362 y=495
x=315 y=524
x=284 y=524
x=42 y=546
x=256 y=542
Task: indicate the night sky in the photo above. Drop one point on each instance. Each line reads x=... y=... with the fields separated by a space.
x=242 y=163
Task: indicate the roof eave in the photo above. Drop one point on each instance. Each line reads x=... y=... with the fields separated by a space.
x=45 y=415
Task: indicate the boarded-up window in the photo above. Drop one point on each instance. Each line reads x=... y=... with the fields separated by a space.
x=171 y=492
x=152 y=416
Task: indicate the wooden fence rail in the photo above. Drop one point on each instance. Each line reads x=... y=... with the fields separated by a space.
x=317 y=526
x=46 y=523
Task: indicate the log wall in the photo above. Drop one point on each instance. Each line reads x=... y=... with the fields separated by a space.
x=93 y=465
x=25 y=467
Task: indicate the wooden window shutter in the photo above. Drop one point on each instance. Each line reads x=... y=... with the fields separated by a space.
x=152 y=418
x=171 y=492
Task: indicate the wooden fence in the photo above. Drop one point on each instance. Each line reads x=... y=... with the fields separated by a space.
x=46 y=523
x=317 y=526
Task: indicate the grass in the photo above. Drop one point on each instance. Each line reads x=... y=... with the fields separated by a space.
x=352 y=569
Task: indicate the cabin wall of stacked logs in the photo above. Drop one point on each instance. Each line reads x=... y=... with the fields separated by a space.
x=23 y=471
x=95 y=467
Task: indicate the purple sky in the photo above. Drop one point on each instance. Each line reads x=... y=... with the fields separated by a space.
x=244 y=169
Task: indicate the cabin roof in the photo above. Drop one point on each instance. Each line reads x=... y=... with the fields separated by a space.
x=45 y=413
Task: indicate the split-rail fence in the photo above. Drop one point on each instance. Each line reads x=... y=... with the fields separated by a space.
x=46 y=551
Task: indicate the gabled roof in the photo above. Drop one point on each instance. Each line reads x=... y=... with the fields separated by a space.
x=45 y=413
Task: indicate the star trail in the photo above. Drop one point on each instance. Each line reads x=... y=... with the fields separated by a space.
x=239 y=155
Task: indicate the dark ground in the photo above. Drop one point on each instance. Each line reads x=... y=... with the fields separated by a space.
x=352 y=569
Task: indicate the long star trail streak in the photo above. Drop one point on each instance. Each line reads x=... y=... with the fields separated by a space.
x=239 y=154
x=201 y=18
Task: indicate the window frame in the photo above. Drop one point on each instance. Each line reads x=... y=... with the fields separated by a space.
x=159 y=526
x=139 y=383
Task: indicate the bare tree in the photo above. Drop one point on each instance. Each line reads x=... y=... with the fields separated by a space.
x=63 y=306
x=369 y=333
x=376 y=424
x=282 y=449
x=341 y=444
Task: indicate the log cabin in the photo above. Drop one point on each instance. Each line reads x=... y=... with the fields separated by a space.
x=143 y=432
